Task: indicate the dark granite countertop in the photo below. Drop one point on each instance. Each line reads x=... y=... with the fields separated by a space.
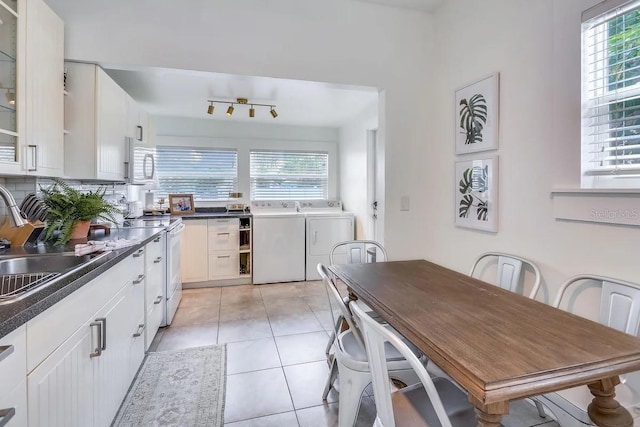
x=16 y=313
x=206 y=213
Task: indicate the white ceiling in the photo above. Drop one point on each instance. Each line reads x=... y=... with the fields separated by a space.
x=171 y=92
x=183 y=93
x=424 y=5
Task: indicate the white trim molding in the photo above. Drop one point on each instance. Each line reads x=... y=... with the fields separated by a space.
x=620 y=207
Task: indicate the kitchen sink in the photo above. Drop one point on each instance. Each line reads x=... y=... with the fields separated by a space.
x=22 y=275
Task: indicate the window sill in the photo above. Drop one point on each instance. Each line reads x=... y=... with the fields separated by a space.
x=597 y=205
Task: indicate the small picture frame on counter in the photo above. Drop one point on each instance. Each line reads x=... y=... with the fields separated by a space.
x=180 y=204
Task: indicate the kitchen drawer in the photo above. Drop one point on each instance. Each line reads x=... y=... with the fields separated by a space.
x=156 y=248
x=15 y=398
x=223 y=265
x=223 y=224
x=13 y=363
x=223 y=241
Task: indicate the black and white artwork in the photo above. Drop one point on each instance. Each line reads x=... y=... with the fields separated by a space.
x=476 y=190
x=477 y=115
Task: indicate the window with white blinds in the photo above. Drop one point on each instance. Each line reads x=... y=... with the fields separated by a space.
x=207 y=173
x=289 y=175
x=611 y=91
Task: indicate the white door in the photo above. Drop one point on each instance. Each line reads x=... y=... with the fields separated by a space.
x=278 y=249
x=61 y=390
x=375 y=187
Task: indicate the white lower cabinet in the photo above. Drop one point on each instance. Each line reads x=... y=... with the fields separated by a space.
x=83 y=380
x=194 y=251
x=13 y=368
x=154 y=296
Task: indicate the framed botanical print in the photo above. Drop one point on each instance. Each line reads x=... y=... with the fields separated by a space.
x=476 y=193
x=477 y=114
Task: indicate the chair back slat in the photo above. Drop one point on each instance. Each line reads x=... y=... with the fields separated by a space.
x=620 y=307
x=510 y=274
x=357 y=252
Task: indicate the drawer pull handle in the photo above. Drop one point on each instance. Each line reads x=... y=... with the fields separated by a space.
x=139 y=279
x=139 y=253
x=157 y=239
x=158 y=300
x=139 y=331
x=224 y=256
x=103 y=320
x=6 y=415
x=98 y=351
x=157 y=260
x=223 y=234
x=5 y=351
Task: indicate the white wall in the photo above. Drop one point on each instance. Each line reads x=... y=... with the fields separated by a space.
x=179 y=131
x=353 y=167
x=335 y=41
x=536 y=48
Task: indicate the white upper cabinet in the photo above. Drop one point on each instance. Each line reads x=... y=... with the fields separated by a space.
x=137 y=122
x=31 y=89
x=96 y=120
x=44 y=131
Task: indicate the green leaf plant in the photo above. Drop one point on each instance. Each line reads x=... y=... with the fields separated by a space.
x=67 y=206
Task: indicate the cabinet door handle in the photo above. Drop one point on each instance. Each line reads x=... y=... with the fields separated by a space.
x=103 y=327
x=5 y=351
x=157 y=260
x=6 y=415
x=139 y=253
x=34 y=157
x=157 y=239
x=223 y=234
x=139 y=279
x=139 y=331
x=139 y=137
x=224 y=256
x=158 y=300
x=98 y=351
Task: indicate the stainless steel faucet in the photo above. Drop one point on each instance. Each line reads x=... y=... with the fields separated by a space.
x=14 y=211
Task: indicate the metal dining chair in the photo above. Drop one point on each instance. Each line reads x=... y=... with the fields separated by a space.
x=510 y=273
x=430 y=402
x=353 y=252
x=619 y=309
x=350 y=361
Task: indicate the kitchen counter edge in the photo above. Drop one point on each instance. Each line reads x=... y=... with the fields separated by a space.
x=17 y=313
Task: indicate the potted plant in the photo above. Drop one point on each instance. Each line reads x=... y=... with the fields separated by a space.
x=70 y=211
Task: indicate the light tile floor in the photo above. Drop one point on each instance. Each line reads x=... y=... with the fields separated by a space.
x=276 y=367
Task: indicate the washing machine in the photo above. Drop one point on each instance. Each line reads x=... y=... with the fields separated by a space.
x=278 y=242
x=326 y=225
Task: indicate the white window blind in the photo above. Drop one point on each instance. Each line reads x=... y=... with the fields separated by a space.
x=208 y=174
x=289 y=175
x=611 y=90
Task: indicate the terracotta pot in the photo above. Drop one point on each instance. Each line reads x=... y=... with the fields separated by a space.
x=80 y=230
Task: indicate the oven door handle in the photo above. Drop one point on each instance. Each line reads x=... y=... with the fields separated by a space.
x=177 y=230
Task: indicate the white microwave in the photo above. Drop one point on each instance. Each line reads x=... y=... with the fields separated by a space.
x=141 y=163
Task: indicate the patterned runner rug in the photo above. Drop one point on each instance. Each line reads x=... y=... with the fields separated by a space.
x=183 y=388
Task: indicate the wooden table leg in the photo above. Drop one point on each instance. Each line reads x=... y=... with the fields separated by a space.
x=489 y=415
x=604 y=410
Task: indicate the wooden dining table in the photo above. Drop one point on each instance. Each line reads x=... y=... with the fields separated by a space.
x=498 y=345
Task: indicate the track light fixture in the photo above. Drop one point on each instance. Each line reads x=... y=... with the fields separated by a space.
x=241 y=101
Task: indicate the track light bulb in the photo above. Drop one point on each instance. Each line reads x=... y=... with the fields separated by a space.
x=210 y=109
x=252 y=112
x=273 y=113
x=230 y=110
